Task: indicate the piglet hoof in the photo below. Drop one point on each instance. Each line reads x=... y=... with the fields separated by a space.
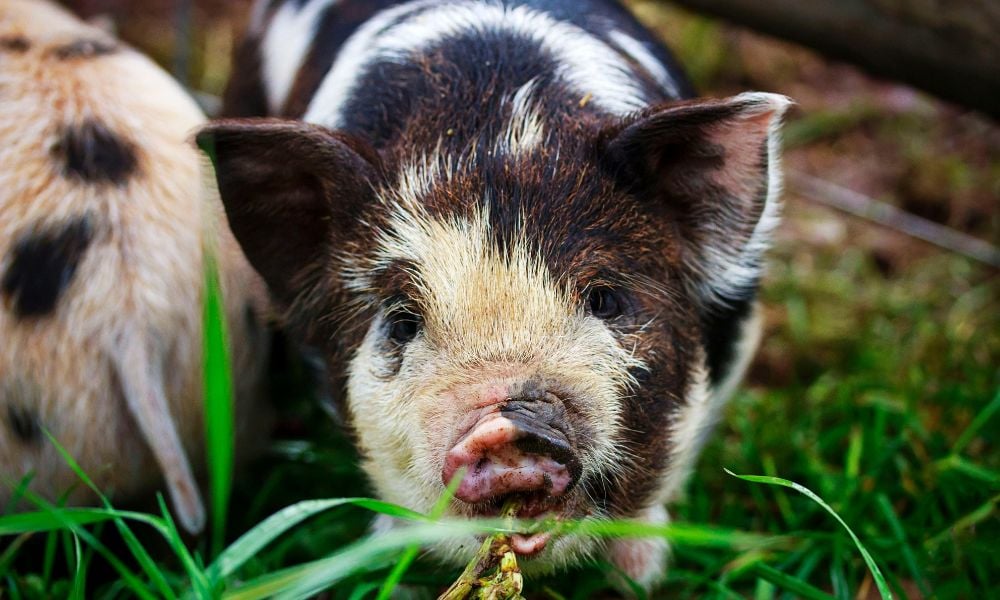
x=644 y=561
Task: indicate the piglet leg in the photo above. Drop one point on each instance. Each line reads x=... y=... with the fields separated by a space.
x=644 y=560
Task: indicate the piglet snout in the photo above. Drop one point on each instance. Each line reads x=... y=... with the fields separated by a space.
x=522 y=448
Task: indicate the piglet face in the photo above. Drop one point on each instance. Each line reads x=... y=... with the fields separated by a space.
x=540 y=321
x=507 y=352
x=480 y=359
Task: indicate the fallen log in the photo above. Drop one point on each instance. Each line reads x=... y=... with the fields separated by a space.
x=950 y=48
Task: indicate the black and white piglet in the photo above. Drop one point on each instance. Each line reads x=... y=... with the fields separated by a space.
x=521 y=247
x=105 y=209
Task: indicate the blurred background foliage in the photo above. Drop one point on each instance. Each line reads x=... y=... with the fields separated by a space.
x=877 y=381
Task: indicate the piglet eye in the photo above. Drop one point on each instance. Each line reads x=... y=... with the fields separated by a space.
x=604 y=303
x=404 y=328
x=403 y=325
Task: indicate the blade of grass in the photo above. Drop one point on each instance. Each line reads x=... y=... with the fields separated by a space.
x=42 y=521
x=620 y=580
x=780 y=497
x=956 y=463
x=17 y=490
x=681 y=534
x=977 y=423
x=218 y=402
x=253 y=541
x=788 y=583
x=743 y=563
x=363 y=590
x=838 y=578
x=809 y=563
x=718 y=590
x=852 y=463
x=411 y=553
x=554 y=595
x=78 y=591
x=10 y=552
x=764 y=590
x=981 y=513
x=885 y=507
x=15 y=591
x=49 y=558
x=68 y=554
x=196 y=576
x=880 y=582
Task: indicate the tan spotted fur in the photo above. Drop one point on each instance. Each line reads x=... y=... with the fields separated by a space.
x=135 y=302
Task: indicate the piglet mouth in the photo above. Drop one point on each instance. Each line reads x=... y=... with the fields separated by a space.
x=532 y=506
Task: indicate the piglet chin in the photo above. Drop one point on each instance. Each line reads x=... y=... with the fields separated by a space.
x=529 y=545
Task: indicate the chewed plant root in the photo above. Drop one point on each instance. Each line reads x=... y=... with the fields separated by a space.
x=493 y=573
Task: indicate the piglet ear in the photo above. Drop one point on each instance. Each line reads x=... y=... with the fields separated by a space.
x=710 y=169
x=291 y=192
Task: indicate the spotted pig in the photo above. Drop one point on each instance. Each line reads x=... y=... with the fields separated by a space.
x=105 y=208
x=526 y=251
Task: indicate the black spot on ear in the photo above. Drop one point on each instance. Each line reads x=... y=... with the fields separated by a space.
x=14 y=43
x=93 y=153
x=42 y=265
x=23 y=423
x=89 y=48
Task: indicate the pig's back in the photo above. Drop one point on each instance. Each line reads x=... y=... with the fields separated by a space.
x=358 y=66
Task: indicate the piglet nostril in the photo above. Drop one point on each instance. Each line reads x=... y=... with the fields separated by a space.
x=544 y=430
x=556 y=449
